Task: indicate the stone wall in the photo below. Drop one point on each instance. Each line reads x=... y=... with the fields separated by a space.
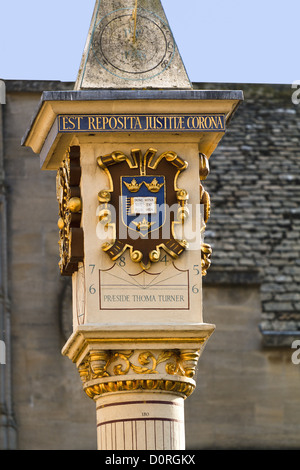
x=7 y=422
x=248 y=392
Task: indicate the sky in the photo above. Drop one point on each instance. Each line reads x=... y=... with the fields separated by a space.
x=221 y=41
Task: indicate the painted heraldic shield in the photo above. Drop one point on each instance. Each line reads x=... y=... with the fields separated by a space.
x=143 y=202
x=146 y=204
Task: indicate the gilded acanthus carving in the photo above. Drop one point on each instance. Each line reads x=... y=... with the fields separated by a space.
x=181 y=387
x=102 y=364
x=111 y=363
x=206 y=249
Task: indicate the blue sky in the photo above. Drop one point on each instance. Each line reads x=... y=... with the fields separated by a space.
x=225 y=41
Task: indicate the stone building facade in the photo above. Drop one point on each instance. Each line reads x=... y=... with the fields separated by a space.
x=248 y=382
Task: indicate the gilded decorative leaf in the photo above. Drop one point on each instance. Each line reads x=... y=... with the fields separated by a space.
x=144 y=357
x=164 y=356
x=118 y=370
x=143 y=370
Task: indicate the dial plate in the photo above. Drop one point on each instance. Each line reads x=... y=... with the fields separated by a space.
x=142 y=57
x=162 y=287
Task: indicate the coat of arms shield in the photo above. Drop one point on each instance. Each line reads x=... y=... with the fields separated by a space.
x=142 y=190
x=143 y=200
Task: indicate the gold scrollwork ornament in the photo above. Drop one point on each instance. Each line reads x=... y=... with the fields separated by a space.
x=206 y=250
x=69 y=215
x=102 y=363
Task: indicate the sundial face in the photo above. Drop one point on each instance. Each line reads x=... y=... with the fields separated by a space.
x=163 y=286
x=133 y=50
x=130 y=46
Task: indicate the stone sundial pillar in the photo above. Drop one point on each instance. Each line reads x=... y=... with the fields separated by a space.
x=130 y=146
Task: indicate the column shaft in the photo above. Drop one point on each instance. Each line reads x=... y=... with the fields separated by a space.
x=140 y=421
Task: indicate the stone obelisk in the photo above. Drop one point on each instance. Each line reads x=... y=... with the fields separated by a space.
x=130 y=45
x=131 y=146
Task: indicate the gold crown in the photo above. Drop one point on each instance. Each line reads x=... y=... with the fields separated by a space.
x=154 y=186
x=133 y=186
x=143 y=225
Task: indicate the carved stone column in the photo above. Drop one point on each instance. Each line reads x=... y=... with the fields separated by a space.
x=139 y=392
x=126 y=145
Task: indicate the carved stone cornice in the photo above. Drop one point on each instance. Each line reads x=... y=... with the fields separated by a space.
x=87 y=338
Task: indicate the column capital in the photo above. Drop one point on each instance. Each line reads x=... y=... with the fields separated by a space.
x=129 y=359
x=150 y=370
